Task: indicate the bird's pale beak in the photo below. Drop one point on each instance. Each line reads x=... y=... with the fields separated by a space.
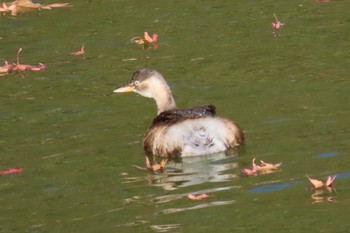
x=124 y=89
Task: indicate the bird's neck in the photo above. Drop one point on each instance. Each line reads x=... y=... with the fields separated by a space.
x=161 y=93
x=165 y=101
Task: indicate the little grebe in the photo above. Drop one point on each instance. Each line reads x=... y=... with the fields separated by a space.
x=181 y=132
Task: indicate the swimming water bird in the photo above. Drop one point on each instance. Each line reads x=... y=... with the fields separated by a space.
x=181 y=132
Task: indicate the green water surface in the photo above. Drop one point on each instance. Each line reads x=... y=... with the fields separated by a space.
x=78 y=143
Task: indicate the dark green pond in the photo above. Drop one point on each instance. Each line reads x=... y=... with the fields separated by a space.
x=78 y=143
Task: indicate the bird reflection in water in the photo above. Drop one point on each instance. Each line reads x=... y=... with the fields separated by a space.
x=195 y=170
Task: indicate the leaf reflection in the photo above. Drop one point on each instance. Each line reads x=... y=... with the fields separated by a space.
x=320 y=196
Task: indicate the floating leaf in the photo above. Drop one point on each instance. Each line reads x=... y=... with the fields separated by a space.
x=11 y=171
x=198 y=197
x=79 y=52
x=149 y=39
x=276 y=25
x=263 y=168
x=268 y=167
x=146 y=41
x=320 y=184
x=160 y=166
x=20 y=6
x=330 y=181
x=316 y=183
x=20 y=67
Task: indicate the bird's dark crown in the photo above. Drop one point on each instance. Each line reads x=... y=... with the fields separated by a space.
x=143 y=74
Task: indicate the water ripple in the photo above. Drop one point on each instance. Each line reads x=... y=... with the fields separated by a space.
x=165 y=227
x=272 y=187
x=199 y=206
x=168 y=198
x=327 y=154
x=343 y=175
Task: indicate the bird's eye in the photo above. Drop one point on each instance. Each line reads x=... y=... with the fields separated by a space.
x=136 y=83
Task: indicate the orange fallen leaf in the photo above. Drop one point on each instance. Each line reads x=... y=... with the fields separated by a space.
x=160 y=166
x=263 y=168
x=150 y=39
x=39 y=67
x=198 y=197
x=249 y=172
x=330 y=181
x=316 y=183
x=276 y=25
x=56 y=5
x=6 y=68
x=268 y=167
x=320 y=184
x=79 y=52
x=11 y=171
x=19 y=6
x=147 y=41
x=24 y=67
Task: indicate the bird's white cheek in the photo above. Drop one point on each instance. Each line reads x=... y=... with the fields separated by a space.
x=144 y=93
